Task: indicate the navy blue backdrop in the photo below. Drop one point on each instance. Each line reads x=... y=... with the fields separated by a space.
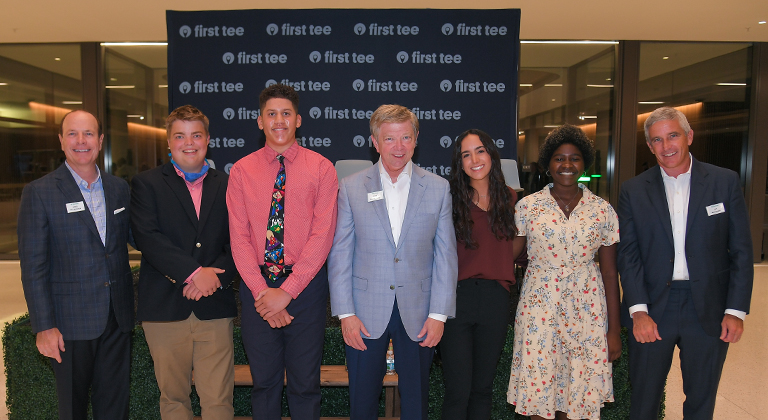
x=456 y=69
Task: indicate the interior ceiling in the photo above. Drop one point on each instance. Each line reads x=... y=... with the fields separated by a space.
x=663 y=20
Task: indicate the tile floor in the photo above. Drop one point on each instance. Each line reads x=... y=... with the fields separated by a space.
x=741 y=387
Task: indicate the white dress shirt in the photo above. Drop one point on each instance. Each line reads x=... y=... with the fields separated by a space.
x=678 y=191
x=396 y=200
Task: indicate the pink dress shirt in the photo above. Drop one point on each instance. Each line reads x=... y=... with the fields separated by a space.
x=311 y=188
x=196 y=191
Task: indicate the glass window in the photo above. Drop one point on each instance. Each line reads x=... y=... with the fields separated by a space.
x=39 y=84
x=136 y=81
x=565 y=82
x=710 y=83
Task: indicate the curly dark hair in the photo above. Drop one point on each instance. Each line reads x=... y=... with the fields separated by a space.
x=501 y=209
x=279 y=90
x=567 y=134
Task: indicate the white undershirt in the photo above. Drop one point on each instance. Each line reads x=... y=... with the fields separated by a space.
x=678 y=191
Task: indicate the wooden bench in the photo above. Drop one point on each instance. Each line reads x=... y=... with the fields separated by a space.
x=332 y=375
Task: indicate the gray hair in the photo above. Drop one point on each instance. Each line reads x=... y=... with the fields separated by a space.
x=663 y=114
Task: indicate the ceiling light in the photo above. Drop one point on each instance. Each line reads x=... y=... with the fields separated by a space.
x=112 y=79
x=600 y=86
x=587 y=117
x=120 y=87
x=665 y=58
x=72 y=102
x=650 y=102
x=133 y=44
x=570 y=42
x=554 y=85
x=762 y=22
x=731 y=84
x=133 y=115
x=57 y=59
x=162 y=86
x=551 y=126
x=526 y=85
x=608 y=79
x=553 y=99
x=521 y=133
x=3 y=84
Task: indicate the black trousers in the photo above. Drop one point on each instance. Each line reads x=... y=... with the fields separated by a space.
x=101 y=367
x=295 y=350
x=701 y=361
x=471 y=347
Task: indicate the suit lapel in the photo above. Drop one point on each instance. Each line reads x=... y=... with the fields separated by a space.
x=180 y=190
x=110 y=205
x=415 y=194
x=657 y=196
x=72 y=194
x=210 y=189
x=373 y=184
x=698 y=187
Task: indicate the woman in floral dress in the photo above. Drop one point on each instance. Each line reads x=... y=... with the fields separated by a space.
x=567 y=320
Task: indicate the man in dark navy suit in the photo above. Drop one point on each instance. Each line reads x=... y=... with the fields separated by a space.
x=73 y=233
x=685 y=259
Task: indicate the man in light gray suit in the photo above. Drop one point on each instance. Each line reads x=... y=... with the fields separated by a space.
x=392 y=269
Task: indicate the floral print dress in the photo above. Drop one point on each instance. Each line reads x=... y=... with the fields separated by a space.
x=560 y=358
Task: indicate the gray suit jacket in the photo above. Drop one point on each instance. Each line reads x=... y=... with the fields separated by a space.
x=367 y=270
x=718 y=247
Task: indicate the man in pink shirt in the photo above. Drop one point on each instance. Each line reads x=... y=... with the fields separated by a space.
x=186 y=302
x=282 y=212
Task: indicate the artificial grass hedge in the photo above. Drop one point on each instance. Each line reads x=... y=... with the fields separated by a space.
x=31 y=392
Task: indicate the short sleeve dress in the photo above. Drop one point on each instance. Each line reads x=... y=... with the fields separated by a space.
x=560 y=357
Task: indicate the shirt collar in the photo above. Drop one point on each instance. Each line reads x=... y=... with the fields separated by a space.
x=289 y=154
x=688 y=172
x=407 y=171
x=181 y=174
x=79 y=180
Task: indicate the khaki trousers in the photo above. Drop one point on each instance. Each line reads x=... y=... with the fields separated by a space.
x=207 y=347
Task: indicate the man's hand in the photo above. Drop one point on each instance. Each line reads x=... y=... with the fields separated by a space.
x=645 y=330
x=614 y=345
x=270 y=301
x=191 y=292
x=280 y=319
x=206 y=280
x=50 y=342
x=433 y=329
x=733 y=327
x=351 y=327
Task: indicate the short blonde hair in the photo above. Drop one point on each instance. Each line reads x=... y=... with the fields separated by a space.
x=392 y=114
x=185 y=113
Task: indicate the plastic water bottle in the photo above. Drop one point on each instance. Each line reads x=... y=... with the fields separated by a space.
x=390 y=360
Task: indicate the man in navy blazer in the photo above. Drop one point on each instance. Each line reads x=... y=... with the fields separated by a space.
x=393 y=267
x=186 y=303
x=685 y=259
x=73 y=233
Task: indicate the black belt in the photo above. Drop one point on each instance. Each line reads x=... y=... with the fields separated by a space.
x=286 y=271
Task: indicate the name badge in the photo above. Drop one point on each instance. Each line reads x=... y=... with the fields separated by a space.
x=715 y=209
x=375 y=196
x=75 y=207
x=119 y=210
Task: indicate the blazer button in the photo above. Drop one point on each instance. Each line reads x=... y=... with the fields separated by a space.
x=669 y=283
x=397 y=260
x=198 y=245
x=106 y=284
x=392 y=287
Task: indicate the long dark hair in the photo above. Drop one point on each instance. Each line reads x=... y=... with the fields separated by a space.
x=501 y=209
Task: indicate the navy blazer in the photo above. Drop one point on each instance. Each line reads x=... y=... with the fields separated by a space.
x=69 y=276
x=174 y=243
x=718 y=248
